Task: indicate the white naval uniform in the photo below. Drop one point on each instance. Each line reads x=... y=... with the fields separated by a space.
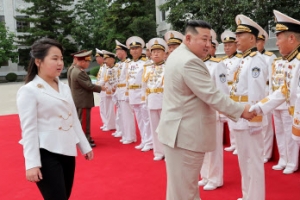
x=286 y=90
x=136 y=96
x=268 y=131
x=102 y=106
x=249 y=88
x=212 y=168
x=154 y=79
x=110 y=80
x=232 y=64
x=125 y=111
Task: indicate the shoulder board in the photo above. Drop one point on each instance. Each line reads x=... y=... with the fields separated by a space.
x=215 y=59
x=116 y=65
x=278 y=58
x=239 y=55
x=298 y=56
x=223 y=58
x=143 y=59
x=127 y=60
x=268 y=53
x=253 y=54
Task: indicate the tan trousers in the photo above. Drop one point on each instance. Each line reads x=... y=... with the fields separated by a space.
x=183 y=168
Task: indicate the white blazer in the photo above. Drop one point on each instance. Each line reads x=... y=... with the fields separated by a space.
x=48 y=120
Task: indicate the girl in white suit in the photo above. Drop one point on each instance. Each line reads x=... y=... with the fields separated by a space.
x=50 y=126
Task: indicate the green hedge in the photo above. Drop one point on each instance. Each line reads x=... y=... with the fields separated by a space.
x=11 y=77
x=94 y=71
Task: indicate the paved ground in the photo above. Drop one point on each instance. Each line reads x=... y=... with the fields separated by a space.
x=8 y=93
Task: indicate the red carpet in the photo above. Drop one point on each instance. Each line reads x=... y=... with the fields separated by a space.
x=120 y=172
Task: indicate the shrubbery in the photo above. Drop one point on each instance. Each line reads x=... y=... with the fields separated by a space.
x=11 y=77
x=94 y=71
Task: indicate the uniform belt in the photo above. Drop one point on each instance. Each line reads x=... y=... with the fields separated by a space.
x=122 y=85
x=239 y=98
x=257 y=118
x=291 y=110
x=132 y=87
x=275 y=88
x=108 y=92
x=230 y=82
x=154 y=90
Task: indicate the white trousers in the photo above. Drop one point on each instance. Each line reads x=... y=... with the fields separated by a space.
x=119 y=121
x=142 y=118
x=268 y=134
x=127 y=116
x=110 y=112
x=231 y=134
x=250 y=156
x=102 y=108
x=154 y=116
x=183 y=168
x=212 y=168
x=287 y=147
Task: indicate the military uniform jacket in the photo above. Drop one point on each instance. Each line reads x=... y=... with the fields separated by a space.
x=122 y=79
x=218 y=72
x=110 y=79
x=48 y=120
x=100 y=78
x=232 y=64
x=154 y=83
x=134 y=81
x=269 y=58
x=188 y=117
x=249 y=85
x=82 y=88
x=288 y=91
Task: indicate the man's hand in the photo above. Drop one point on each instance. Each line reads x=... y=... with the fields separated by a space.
x=248 y=115
x=34 y=174
x=103 y=88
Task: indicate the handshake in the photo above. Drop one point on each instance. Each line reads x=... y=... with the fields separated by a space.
x=251 y=111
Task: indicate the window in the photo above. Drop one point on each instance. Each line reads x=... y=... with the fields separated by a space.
x=2 y=18
x=163 y=15
x=21 y=24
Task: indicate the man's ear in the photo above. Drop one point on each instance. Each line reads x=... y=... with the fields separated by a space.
x=188 y=37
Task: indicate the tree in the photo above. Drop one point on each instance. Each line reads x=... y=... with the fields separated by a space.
x=47 y=18
x=221 y=14
x=8 y=51
x=98 y=23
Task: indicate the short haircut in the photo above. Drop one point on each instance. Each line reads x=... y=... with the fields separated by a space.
x=193 y=24
x=297 y=35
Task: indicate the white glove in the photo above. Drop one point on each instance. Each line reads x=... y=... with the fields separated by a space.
x=255 y=129
x=255 y=108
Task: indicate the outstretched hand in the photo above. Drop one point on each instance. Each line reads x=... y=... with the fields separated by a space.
x=247 y=114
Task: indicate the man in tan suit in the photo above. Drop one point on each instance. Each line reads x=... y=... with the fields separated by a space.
x=187 y=126
x=82 y=91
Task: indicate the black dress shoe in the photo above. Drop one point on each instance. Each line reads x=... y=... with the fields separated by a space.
x=92 y=144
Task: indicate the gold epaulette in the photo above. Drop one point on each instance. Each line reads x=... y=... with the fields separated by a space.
x=127 y=60
x=148 y=64
x=268 y=53
x=298 y=56
x=225 y=57
x=215 y=59
x=116 y=65
x=144 y=59
x=253 y=54
x=238 y=55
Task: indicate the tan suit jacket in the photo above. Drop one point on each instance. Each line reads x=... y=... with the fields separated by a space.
x=188 y=118
x=82 y=87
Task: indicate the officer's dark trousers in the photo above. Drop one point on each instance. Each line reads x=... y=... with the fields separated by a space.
x=58 y=174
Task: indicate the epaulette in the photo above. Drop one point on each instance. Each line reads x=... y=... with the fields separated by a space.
x=148 y=64
x=116 y=65
x=268 y=53
x=215 y=59
x=238 y=55
x=225 y=57
x=253 y=54
x=278 y=58
x=298 y=56
x=127 y=60
x=144 y=59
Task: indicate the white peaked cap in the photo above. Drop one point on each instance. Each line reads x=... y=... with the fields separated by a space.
x=173 y=37
x=158 y=43
x=286 y=23
x=228 y=36
x=135 y=41
x=245 y=24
